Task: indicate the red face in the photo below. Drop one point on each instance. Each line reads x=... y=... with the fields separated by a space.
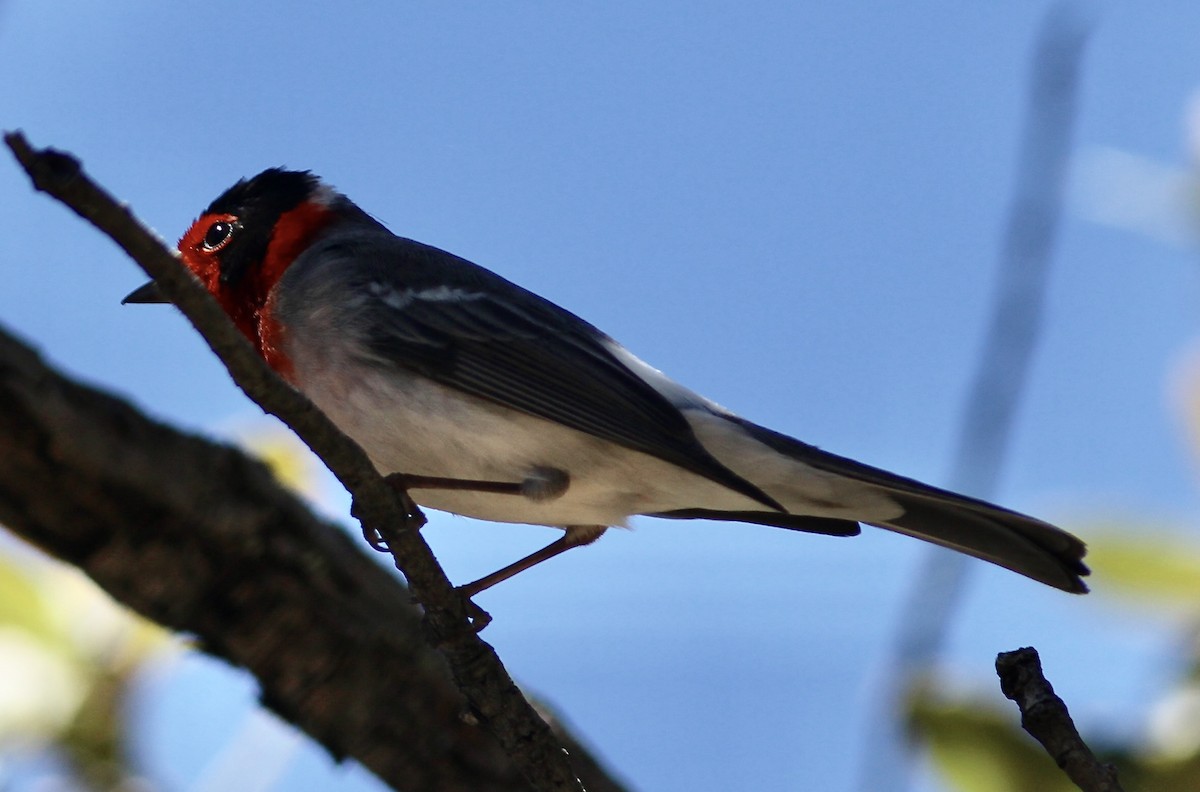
x=200 y=247
x=202 y=244
x=241 y=265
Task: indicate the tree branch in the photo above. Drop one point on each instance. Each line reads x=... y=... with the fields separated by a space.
x=200 y=538
x=490 y=692
x=1045 y=717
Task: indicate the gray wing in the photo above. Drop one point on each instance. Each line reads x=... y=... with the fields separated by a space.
x=465 y=327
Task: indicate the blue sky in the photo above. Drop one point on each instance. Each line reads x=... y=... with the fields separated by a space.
x=792 y=208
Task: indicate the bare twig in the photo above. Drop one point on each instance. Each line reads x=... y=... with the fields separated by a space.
x=1045 y=717
x=483 y=680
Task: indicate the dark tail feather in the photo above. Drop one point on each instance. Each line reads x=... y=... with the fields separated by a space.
x=1030 y=547
x=1014 y=541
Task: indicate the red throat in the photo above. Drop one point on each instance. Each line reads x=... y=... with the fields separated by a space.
x=249 y=301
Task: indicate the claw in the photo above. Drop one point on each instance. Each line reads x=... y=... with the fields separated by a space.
x=376 y=540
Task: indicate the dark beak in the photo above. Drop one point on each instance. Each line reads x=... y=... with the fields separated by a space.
x=145 y=294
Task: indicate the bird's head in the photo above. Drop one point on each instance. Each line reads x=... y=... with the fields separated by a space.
x=245 y=240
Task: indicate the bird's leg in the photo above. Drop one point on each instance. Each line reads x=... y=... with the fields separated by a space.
x=575 y=536
x=542 y=483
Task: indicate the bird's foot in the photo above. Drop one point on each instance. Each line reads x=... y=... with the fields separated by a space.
x=375 y=540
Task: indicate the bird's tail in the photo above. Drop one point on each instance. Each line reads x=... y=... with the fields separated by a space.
x=1015 y=541
x=1023 y=544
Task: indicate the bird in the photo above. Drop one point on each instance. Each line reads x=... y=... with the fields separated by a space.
x=483 y=399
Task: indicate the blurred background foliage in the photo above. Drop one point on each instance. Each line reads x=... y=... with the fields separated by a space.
x=71 y=659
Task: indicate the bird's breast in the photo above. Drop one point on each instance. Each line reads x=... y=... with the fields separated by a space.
x=408 y=423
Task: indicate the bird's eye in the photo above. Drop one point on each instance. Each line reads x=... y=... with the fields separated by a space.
x=217 y=236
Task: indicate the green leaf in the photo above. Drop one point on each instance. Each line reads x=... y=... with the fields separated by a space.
x=22 y=604
x=96 y=745
x=1160 y=567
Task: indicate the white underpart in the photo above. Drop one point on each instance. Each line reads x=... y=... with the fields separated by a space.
x=409 y=424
